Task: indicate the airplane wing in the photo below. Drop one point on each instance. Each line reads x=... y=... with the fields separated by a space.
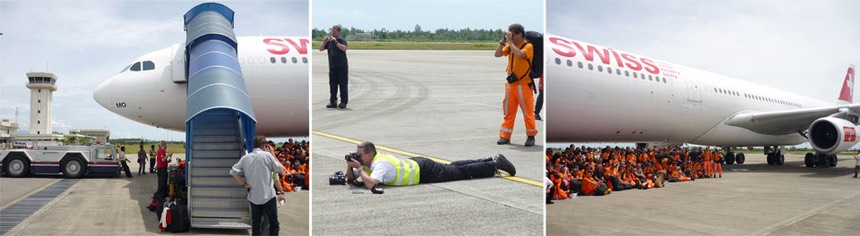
x=787 y=121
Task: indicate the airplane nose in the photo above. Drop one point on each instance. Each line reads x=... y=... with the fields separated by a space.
x=102 y=94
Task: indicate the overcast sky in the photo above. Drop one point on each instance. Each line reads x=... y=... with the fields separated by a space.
x=86 y=42
x=430 y=15
x=798 y=46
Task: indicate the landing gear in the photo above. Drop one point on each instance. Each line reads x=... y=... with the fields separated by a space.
x=774 y=156
x=820 y=160
x=809 y=160
x=730 y=157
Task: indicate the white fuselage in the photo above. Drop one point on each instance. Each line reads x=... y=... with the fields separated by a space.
x=589 y=104
x=275 y=70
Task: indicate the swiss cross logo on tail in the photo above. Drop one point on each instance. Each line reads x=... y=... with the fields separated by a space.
x=847 y=93
x=850 y=133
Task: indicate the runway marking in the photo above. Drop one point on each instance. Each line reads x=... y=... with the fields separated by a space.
x=411 y=154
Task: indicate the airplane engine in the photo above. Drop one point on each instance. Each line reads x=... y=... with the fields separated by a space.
x=831 y=135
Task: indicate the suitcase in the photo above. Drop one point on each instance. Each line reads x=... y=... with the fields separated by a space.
x=179 y=220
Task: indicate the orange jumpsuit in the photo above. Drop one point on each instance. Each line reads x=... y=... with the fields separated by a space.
x=518 y=94
x=718 y=167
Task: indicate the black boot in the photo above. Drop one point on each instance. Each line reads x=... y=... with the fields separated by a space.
x=502 y=163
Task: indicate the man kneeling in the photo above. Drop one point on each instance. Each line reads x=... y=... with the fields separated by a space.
x=374 y=168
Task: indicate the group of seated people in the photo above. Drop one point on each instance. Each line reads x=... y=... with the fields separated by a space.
x=294 y=156
x=593 y=171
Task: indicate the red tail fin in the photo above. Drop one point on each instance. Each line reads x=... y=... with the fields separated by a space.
x=847 y=92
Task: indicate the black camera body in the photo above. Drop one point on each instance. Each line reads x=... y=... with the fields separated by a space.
x=338 y=178
x=353 y=156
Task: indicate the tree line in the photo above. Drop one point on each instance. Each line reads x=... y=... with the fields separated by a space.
x=416 y=35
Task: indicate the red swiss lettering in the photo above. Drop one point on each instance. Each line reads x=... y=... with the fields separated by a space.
x=650 y=67
x=278 y=47
x=632 y=62
x=568 y=51
x=589 y=54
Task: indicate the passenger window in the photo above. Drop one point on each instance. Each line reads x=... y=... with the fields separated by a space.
x=579 y=64
x=569 y=63
x=599 y=68
x=627 y=73
x=136 y=66
x=148 y=65
x=649 y=77
x=273 y=60
x=305 y=60
x=634 y=75
x=558 y=61
x=590 y=67
x=295 y=60
x=609 y=70
x=664 y=80
x=617 y=71
x=283 y=60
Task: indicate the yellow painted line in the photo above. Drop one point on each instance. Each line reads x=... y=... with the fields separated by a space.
x=411 y=154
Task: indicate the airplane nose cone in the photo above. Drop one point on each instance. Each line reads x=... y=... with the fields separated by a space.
x=103 y=95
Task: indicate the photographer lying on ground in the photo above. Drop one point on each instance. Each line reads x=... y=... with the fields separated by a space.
x=374 y=168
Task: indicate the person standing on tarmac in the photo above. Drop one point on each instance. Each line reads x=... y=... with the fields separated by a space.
x=257 y=168
x=381 y=168
x=141 y=161
x=122 y=161
x=857 y=165
x=161 y=169
x=338 y=68
x=151 y=158
x=519 y=93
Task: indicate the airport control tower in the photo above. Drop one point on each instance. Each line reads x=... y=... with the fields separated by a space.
x=42 y=86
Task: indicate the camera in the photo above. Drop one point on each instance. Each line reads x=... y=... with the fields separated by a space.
x=337 y=178
x=353 y=156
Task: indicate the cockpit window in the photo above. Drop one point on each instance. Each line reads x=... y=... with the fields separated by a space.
x=136 y=66
x=148 y=65
x=126 y=68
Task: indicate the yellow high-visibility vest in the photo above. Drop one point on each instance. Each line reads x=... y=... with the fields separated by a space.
x=407 y=170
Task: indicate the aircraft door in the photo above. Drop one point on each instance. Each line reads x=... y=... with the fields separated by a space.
x=177 y=64
x=694 y=90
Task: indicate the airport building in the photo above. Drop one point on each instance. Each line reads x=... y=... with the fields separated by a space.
x=99 y=136
x=8 y=131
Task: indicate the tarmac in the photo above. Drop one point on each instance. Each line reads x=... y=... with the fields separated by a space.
x=117 y=205
x=440 y=104
x=751 y=199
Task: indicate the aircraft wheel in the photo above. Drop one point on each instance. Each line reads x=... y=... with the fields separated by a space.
x=778 y=159
x=730 y=158
x=809 y=160
x=740 y=158
x=770 y=158
x=831 y=160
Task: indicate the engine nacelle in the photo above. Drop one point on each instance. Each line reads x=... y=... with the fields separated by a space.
x=830 y=135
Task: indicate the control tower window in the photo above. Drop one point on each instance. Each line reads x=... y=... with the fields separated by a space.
x=148 y=65
x=135 y=67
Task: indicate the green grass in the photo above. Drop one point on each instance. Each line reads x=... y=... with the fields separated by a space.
x=132 y=147
x=361 y=45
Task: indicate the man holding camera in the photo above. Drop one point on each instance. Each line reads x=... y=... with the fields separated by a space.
x=257 y=168
x=338 y=69
x=518 y=90
x=375 y=168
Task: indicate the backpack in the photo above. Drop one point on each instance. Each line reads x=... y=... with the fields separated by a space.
x=536 y=39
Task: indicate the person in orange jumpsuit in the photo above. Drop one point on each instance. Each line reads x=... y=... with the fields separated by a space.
x=718 y=165
x=519 y=93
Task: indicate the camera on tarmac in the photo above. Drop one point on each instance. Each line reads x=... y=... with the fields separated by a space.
x=338 y=178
